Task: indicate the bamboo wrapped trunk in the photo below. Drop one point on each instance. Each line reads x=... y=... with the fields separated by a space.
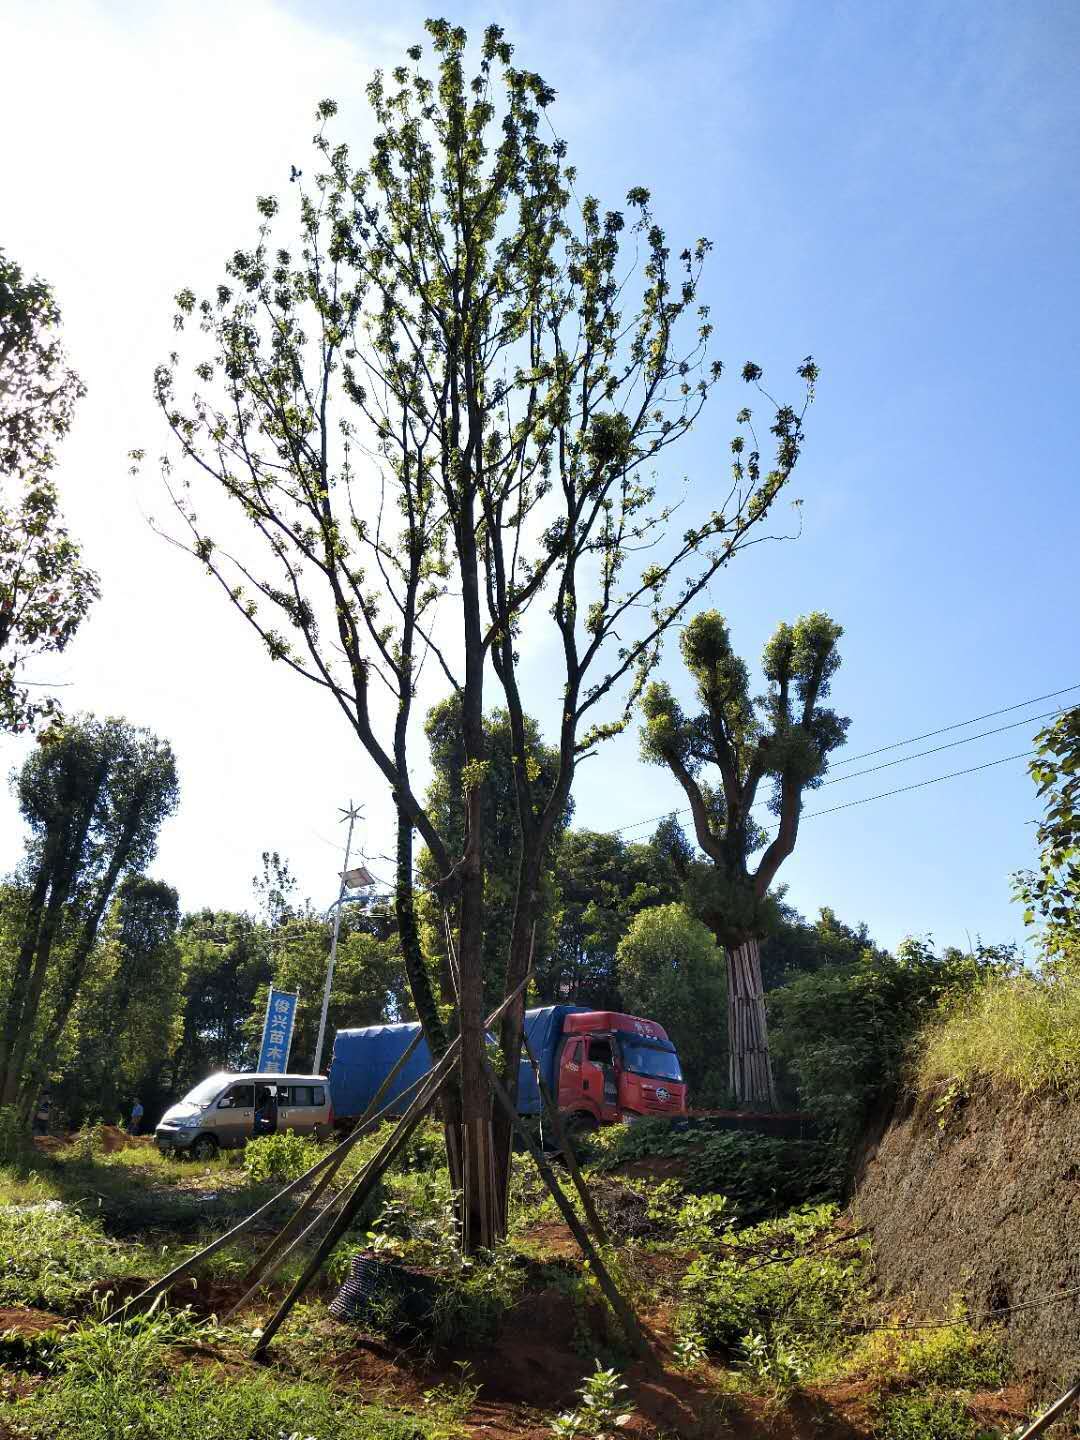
x=750 y=1073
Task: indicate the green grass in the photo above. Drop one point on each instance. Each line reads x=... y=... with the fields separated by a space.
x=134 y=1381
x=52 y=1258
x=1023 y=1032
x=925 y=1415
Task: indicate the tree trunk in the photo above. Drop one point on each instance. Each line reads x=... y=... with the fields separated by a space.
x=513 y=1023
x=749 y=1065
x=427 y=1009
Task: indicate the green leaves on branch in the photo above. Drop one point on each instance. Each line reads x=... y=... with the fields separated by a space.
x=45 y=590
x=1051 y=893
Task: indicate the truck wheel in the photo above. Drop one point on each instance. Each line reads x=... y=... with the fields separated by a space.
x=580 y=1123
x=204 y=1148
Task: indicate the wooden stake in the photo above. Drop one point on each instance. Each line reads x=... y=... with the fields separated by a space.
x=152 y=1291
x=293 y=1224
x=629 y=1320
x=436 y=1078
x=563 y=1141
x=1054 y=1413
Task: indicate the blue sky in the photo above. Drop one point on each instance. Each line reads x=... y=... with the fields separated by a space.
x=892 y=188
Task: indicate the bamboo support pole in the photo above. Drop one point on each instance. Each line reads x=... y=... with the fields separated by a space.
x=436 y=1078
x=378 y=1165
x=268 y=1264
x=293 y=1224
x=562 y=1139
x=152 y=1291
x=629 y=1320
x=1054 y=1413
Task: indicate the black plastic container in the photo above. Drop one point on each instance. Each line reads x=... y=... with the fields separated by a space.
x=388 y=1295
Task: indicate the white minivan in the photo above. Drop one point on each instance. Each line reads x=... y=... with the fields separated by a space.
x=224 y=1111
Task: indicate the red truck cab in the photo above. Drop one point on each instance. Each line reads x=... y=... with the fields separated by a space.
x=613 y=1067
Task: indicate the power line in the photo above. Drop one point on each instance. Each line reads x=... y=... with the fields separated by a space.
x=936 y=749
x=903 y=759
x=883 y=795
x=957 y=725
x=921 y=784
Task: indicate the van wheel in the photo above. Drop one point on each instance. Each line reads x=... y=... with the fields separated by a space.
x=204 y=1148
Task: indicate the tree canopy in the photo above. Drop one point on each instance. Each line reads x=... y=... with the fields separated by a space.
x=45 y=589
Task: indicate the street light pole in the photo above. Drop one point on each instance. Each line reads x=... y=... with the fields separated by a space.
x=352 y=814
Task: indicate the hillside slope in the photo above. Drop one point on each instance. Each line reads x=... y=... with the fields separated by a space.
x=980 y=1198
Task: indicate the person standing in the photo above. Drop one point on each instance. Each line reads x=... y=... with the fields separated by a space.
x=266 y=1110
x=41 y=1115
x=135 y=1124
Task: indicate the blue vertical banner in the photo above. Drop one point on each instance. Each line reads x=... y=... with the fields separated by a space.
x=277 y=1032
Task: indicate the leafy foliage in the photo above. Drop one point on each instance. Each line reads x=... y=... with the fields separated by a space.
x=45 y=590
x=668 y=965
x=94 y=796
x=602 y=881
x=279 y=1157
x=843 y=1034
x=758 y=1174
x=780 y=1295
x=785 y=736
x=501 y=832
x=601 y=1409
x=1052 y=892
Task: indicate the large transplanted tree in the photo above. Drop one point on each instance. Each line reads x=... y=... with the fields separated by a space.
x=45 y=590
x=784 y=736
x=447 y=397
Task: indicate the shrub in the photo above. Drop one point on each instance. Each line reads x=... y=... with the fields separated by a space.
x=956 y=1357
x=777 y=1295
x=280 y=1157
x=761 y=1175
x=843 y=1034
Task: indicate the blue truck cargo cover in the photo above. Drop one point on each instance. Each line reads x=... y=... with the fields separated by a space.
x=543 y=1030
x=364 y=1057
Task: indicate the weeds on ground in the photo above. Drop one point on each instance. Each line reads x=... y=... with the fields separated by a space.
x=602 y=1408
x=131 y=1380
x=775 y=1298
x=925 y=1415
x=1021 y=1030
x=761 y=1175
x=50 y=1258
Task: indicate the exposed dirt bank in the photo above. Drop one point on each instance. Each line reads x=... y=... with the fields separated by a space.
x=980 y=1198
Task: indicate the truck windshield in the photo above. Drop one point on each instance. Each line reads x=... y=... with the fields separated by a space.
x=647 y=1060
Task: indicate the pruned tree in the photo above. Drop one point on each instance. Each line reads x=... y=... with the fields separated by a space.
x=94 y=795
x=784 y=737
x=441 y=405
x=45 y=590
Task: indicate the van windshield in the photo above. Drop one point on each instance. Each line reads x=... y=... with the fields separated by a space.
x=647 y=1060
x=206 y=1090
